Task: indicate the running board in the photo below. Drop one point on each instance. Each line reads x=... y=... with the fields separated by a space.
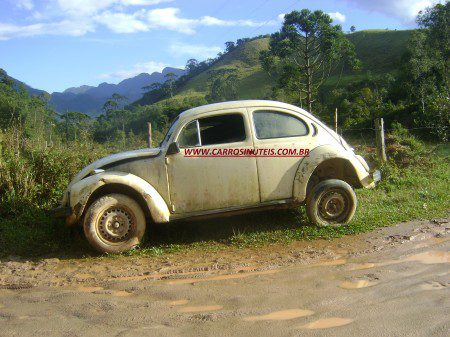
x=230 y=211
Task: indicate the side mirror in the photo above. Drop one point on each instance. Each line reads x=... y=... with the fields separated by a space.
x=173 y=149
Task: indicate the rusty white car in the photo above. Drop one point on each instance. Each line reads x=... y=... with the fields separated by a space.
x=215 y=159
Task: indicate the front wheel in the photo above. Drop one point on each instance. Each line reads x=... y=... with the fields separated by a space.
x=114 y=223
x=331 y=202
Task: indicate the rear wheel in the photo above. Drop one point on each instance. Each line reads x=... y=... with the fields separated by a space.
x=114 y=223
x=331 y=202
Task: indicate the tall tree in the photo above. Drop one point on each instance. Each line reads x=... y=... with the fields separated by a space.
x=306 y=51
x=223 y=84
x=170 y=82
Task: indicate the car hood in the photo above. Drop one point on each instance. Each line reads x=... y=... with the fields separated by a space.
x=113 y=159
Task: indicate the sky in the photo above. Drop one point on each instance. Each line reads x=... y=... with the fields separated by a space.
x=56 y=44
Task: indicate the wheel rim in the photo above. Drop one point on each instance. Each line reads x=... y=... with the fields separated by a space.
x=333 y=205
x=116 y=224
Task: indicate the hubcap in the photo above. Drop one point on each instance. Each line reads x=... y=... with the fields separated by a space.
x=115 y=225
x=332 y=205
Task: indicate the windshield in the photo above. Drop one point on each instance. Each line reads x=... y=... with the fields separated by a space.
x=169 y=133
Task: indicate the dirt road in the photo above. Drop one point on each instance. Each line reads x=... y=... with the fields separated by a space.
x=391 y=282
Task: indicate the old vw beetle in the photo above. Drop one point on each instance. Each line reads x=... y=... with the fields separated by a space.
x=214 y=159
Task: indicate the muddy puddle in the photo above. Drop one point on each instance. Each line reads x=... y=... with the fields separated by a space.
x=280 y=315
x=357 y=284
x=179 y=302
x=432 y=286
x=327 y=323
x=223 y=277
x=200 y=308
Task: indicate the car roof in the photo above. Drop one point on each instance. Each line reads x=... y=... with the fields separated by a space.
x=239 y=104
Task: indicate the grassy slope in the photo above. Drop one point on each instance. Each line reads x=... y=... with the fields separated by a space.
x=379 y=50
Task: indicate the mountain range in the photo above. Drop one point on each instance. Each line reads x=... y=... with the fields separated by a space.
x=90 y=99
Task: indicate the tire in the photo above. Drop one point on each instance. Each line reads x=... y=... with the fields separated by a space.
x=114 y=223
x=331 y=202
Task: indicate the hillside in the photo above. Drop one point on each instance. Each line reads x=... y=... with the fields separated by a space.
x=380 y=52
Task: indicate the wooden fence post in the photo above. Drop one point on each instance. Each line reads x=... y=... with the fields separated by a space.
x=335 y=121
x=149 y=134
x=379 y=134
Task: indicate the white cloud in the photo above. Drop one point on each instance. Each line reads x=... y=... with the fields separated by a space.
x=146 y=67
x=65 y=27
x=78 y=17
x=167 y=18
x=194 y=50
x=212 y=21
x=144 y=2
x=338 y=17
x=25 y=4
x=406 y=10
x=122 y=23
x=91 y=7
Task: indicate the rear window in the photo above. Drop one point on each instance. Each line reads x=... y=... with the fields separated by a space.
x=274 y=124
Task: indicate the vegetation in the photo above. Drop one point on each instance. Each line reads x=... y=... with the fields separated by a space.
x=40 y=151
x=306 y=51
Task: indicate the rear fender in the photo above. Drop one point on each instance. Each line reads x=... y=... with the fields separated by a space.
x=318 y=156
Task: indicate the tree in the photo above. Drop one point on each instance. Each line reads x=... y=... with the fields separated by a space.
x=229 y=46
x=223 y=84
x=152 y=87
x=425 y=71
x=170 y=82
x=191 y=65
x=352 y=29
x=114 y=111
x=306 y=51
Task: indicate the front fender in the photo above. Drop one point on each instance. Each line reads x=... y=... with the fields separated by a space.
x=319 y=155
x=83 y=189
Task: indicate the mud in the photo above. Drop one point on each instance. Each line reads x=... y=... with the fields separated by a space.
x=280 y=315
x=326 y=323
x=393 y=281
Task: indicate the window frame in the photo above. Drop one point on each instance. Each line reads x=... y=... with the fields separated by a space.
x=198 y=134
x=271 y=110
x=210 y=116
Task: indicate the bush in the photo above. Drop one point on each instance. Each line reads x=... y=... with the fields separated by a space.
x=402 y=148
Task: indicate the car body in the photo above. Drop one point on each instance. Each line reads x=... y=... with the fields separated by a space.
x=169 y=183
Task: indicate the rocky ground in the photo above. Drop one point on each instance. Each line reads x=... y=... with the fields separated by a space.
x=390 y=282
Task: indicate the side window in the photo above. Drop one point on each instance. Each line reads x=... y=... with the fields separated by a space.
x=189 y=135
x=273 y=124
x=222 y=129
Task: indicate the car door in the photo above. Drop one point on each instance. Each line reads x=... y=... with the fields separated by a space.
x=201 y=180
x=282 y=132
